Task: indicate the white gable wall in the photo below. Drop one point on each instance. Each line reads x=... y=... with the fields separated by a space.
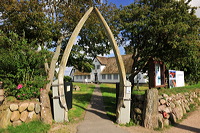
x=82 y=78
x=107 y=78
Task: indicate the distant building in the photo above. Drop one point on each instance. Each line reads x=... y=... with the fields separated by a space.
x=106 y=71
x=68 y=71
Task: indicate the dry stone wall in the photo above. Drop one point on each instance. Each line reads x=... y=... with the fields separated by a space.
x=137 y=108
x=170 y=108
x=16 y=113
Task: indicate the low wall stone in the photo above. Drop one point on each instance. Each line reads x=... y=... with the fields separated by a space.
x=18 y=112
x=137 y=108
x=170 y=108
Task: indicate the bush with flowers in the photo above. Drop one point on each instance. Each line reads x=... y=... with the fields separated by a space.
x=27 y=90
x=22 y=66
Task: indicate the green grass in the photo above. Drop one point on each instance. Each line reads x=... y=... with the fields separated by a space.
x=109 y=99
x=81 y=99
x=141 y=90
x=180 y=89
x=32 y=127
x=168 y=91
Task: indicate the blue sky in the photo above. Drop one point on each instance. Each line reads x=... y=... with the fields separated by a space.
x=195 y=3
x=118 y=3
x=121 y=2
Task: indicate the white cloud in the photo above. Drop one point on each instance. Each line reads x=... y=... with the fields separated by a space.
x=196 y=3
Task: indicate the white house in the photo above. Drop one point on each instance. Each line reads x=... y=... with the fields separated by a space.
x=106 y=71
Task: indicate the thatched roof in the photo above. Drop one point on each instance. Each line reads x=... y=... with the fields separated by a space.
x=111 y=66
x=77 y=72
x=102 y=60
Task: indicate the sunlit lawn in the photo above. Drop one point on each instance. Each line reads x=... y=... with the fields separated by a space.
x=32 y=127
x=176 y=90
x=81 y=99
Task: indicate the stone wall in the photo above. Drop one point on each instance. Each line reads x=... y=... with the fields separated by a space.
x=170 y=108
x=137 y=107
x=19 y=112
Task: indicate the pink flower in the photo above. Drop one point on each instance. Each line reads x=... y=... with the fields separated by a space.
x=23 y=94
x=18 y=96
x=41 y=89
x=34 y=92
x=19 y=86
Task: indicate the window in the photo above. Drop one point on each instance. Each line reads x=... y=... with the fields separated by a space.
x=88 y=76
x=84 y=76
x=103 y=76
x=98 y=66
x=109 y=76
x=76 y=77
x=80 y=77
x=115 y=76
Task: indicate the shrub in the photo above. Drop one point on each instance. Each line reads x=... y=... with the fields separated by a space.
x=26 y=91
x=67 y=79
x=21 y=65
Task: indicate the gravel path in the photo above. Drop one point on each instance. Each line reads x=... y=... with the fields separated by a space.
x=96 y=120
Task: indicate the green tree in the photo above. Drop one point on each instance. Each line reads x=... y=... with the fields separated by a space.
x=21 y=64
x=50 y=24
x=166 y=29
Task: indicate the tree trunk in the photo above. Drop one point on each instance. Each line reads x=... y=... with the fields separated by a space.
x=46 y=114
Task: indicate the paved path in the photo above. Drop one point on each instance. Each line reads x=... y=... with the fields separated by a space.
x=189 y=125
x=96 y=120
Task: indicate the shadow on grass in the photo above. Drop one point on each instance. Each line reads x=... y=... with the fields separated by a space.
x=109 y=100
x=82 y=98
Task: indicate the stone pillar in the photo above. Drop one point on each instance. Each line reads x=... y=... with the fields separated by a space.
x=150 y=113
x=124 y=116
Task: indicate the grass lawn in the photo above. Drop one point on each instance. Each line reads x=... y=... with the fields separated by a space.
x=81 y=99
x=180 y=89
x=109 y=99
x=32 y=127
